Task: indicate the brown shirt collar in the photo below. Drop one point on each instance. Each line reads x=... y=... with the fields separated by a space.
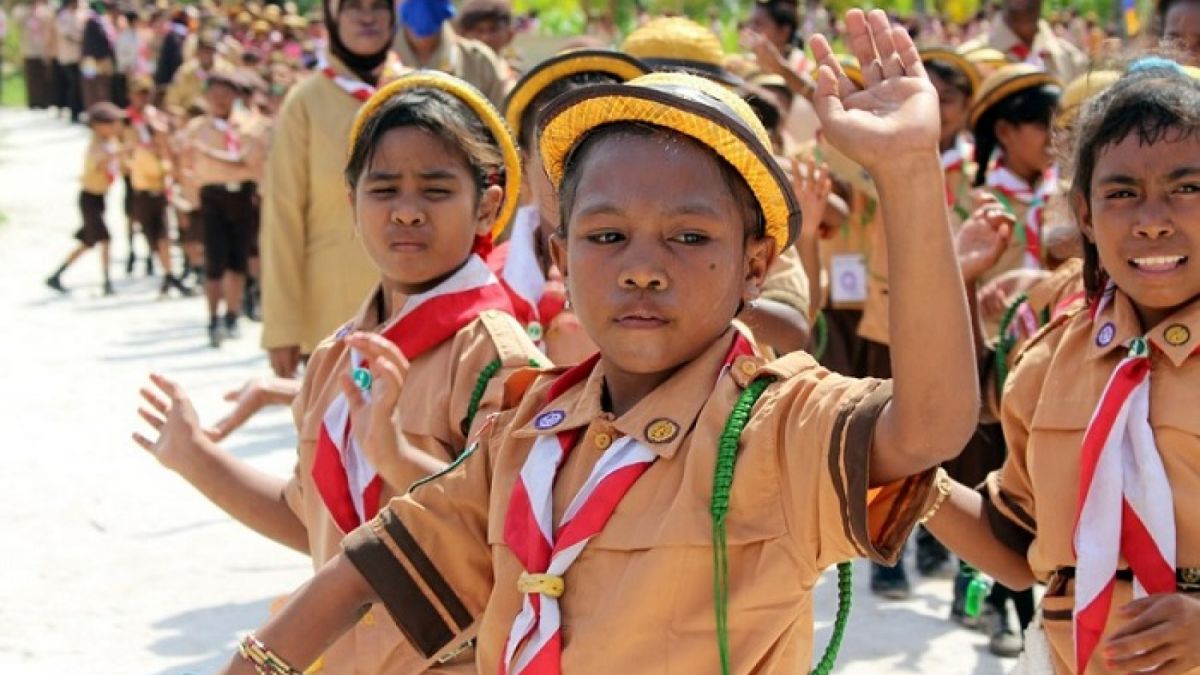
x=1177 y=336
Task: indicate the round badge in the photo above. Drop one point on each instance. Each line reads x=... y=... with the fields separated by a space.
x=662 y=431
x=549 y=419
x=362 y=377
x=1106 y=334
x=1177 y=334
x=534 y=330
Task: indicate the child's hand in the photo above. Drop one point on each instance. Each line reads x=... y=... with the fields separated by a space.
x=983 y=238
x=372 y=418
x=174 y=420
x=896 y=115
x=1160 y=636
x=768 y=56
x=812 y=185
x=254 y=395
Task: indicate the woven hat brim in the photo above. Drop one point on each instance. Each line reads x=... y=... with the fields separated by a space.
x=959 y=63
x=621 y=66
x=706 y=70
x=570 y=118
x=986 y=99
x=479 y=104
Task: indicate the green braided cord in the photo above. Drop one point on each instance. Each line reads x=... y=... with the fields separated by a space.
x=727 y=448
x=1006 y=341
x=821 y=327
x=489 y=371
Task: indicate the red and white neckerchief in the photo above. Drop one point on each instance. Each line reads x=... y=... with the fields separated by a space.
x=357 y=88
x=233 y=143
x=346 y=480
x=955 y=159
x=1125 y=508
x=1012 y=188
x=137 y=119
x=536 y=299
x=534 y=645
x=112 y=161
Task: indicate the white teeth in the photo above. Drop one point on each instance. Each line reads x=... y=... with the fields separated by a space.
x=1158 y=261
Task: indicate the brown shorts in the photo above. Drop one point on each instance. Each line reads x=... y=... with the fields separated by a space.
x=94 y=230
x=150 y=211
x=191 y=227
x=228 y=213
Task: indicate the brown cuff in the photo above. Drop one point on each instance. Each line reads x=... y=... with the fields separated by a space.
x=417 y=596
x=1010 y=524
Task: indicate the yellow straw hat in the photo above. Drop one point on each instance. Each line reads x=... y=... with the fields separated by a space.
x=1005 y=82
x=621 y=66
x=1079 y=91
x=693 y=106
x=956 y=61
x=674 y=43
x=479 y=104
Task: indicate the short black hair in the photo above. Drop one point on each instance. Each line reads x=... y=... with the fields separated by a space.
x=786 y=14
x=1157 y=104
x=441 y=114
x=529 y=116
x=951 y=75
x=1035 y=105
x=743 y=197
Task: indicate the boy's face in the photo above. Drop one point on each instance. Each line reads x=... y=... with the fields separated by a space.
x=656 y=257
x=106 y=130
x=417 y=211
x=1144 y=217
x=220 y=98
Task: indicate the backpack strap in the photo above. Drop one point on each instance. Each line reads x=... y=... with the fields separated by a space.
x=727 y=449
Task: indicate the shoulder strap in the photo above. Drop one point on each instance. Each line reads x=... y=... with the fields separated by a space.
x=727 y=448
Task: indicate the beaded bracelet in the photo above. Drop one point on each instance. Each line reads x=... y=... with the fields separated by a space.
x=265 y=661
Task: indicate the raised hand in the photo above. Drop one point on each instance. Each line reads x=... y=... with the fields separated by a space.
x=983 y=238
x=174 y=420
x=256 y=394
x=895 y=116
x=373 y=417
x=812 y=184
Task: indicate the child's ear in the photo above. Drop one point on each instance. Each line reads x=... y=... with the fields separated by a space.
x=1004 y=132
x=1083 y=214
x=558 y=253
x=760 y=253
x=488 y=209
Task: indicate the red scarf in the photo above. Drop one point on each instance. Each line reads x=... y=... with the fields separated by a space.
x=348 y=484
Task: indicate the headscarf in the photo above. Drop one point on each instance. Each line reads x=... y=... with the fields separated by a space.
x=362 y=66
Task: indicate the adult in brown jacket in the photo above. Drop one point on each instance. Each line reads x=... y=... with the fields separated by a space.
x=314 y=272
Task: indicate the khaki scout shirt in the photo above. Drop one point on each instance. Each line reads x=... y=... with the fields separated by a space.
x=101 y=163
x=466 y=59
x=315 y=271
x=1047 y=404
x=202 y=133
x=787 y=282
x=188 y=84
x=854 y=238
x=1059 y=57
x=432 y=407
x=147 y=160
x=640 y=597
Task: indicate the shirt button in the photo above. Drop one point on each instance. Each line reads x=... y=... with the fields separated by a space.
x=602 y=440
x=748 y=368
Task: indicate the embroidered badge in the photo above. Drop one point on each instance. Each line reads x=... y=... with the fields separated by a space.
x=549 y=419
x=1106 y=334
x=662 y=431
x=534 y=330
x=1177 y=334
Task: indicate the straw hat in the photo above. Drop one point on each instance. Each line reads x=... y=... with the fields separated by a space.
x=479 y=104
x=1079 y=91
x=1005 y=82
x=563 y=65
x=693 y=106
x=671 y=43
x=104 y=112
x=956 y=61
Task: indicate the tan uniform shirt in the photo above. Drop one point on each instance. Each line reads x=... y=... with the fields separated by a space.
x=1048 y=401
x=203 y=134
x=853 y=241
x=787 y=282
x=101 y=165
x=432 y=407
x=68 y=32
x=640 y=597
x=37 y=30
x=463 y=58
x=147 y=157
x=1058 y=57
x=188 y=84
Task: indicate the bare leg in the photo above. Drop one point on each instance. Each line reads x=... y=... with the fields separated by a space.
x=234 y=285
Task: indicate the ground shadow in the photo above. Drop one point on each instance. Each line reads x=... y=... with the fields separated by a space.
x=207 y=633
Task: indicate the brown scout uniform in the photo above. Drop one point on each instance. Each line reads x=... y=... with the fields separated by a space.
x=468 y=60
x=1047 y=405
x=432 y=406
x=640 y=597
x=148 y=165
x=100 y=166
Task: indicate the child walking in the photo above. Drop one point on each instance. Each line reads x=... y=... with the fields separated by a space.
x=432 y=173
x=598 y=512
x=1098 y=413
x=101 y=166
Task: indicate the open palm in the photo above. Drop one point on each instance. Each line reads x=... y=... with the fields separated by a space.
x=896 y=113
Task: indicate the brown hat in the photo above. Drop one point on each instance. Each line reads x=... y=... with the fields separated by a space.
x=142 y=84
x=104 y=112
x=956 y=61
x=226 y=77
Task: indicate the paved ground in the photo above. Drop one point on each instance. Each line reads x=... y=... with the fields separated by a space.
x=112 y=565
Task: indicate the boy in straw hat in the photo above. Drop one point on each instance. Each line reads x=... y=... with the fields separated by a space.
x=591 y=519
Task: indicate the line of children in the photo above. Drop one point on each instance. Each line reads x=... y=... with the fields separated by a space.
x=598 y=484
x=1093 y=497
x=433 y=175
